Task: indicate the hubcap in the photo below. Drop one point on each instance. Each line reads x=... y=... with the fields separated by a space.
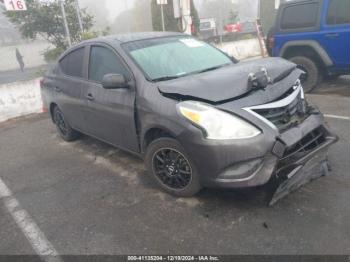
x=172 y=168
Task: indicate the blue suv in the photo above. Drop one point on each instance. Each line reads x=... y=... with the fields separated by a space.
x=314 y=34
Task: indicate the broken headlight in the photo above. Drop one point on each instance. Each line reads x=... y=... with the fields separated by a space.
x=216 y=124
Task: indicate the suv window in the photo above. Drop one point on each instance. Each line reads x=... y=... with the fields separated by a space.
x=300 y=16
x=104 y=61
x=338 y=12
x=72 y=64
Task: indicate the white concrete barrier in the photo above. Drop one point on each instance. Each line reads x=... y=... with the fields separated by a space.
x=241 y=49
x=19 y=99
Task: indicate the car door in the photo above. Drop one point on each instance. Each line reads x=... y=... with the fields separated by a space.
x=68 y=85
x=336 y=31
x=110 y=112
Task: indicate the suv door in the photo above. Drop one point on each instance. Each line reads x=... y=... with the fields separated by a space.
x=336 y=31
x=297 y=21
x=110 y=112
x=68 y=86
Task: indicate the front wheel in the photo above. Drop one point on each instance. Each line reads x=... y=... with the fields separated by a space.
x=172 y=168
x=312 y=76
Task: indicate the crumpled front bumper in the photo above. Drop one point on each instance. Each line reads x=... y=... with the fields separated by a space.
x=239 y=164
x=294 y=175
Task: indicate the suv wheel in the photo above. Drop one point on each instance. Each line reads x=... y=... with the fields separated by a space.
x=172 y=168
x=313 y=75
x=64 y=129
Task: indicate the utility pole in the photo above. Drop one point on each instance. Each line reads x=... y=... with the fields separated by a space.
x=221 y=24
x=161 y=3
x=65 y=23
x=162 y=11
x=77 y=7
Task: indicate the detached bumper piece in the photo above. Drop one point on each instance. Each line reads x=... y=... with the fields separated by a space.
x=300 y=163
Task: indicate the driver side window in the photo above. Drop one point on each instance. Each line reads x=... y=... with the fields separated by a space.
x=104 y=61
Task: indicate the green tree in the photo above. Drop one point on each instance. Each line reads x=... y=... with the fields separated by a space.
x=45 y=20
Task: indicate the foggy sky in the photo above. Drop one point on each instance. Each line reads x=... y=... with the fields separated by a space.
x=105 y=11
x=115 y=7
x=112 y=7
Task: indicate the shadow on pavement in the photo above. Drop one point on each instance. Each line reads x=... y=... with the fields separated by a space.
x=338 y=86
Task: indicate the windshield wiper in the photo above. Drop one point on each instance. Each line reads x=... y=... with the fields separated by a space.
x=166 y=78
x=212 y=68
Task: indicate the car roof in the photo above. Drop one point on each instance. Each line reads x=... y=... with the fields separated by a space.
x=130 y=37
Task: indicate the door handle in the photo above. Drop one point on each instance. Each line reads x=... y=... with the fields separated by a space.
x=90 y=97
x=332 y=35
x=57 y=89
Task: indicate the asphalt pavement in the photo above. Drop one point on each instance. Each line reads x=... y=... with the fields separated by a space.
x=89 y=198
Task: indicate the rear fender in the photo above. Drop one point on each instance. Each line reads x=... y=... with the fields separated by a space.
x=309 y=43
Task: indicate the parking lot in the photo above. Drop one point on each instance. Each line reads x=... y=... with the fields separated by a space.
x=89 y=198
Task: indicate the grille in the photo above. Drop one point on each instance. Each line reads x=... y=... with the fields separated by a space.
x=305 y=145
x=286 y=116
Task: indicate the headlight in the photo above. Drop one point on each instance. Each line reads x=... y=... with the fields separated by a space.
x=216 y=123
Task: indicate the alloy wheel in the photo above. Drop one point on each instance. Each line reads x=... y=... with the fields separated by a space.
x=172 y=168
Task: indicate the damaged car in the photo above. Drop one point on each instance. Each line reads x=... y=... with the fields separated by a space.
x=197 y=117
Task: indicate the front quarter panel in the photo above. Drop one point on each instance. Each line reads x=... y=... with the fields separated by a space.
x=154 y=111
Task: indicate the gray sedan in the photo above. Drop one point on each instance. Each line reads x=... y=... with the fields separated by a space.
x=198 y=117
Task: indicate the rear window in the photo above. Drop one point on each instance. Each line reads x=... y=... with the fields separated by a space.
x=72 y=64
x=300 y=16
x=338 y=12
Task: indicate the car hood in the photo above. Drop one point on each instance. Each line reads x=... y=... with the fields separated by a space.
x=225 y=83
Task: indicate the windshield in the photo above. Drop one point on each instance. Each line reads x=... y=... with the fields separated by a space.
x=168 y=58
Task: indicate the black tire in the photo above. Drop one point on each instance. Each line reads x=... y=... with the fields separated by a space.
x=313 y=75
x=183 y=180
x=64 y=129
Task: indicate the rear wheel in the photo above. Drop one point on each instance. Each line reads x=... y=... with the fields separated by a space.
x=172 y=168
x=312 y=76
x=64 y=129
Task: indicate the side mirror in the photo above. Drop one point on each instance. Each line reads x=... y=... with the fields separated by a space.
x=114 y=81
